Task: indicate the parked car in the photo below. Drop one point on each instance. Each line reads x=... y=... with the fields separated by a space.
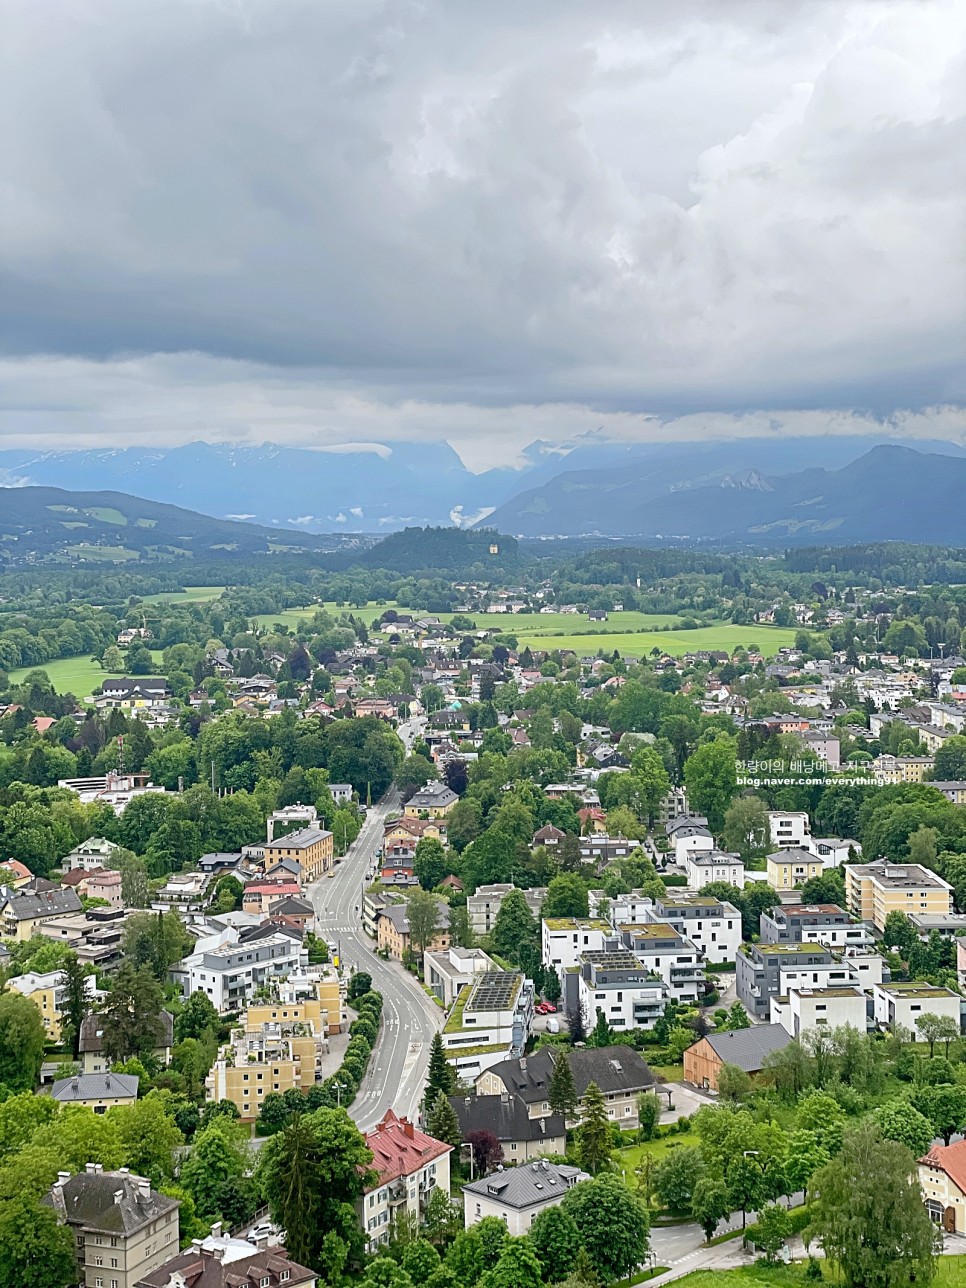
x=553 y=1026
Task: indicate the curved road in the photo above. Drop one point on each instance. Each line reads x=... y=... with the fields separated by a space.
x=397 y=1069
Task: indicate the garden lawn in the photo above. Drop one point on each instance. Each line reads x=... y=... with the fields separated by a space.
x=77 y=675
x=659 y=1149
x=291 y=617
x=950 y=1273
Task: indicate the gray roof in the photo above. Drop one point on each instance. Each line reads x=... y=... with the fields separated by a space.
x=747 y=1048
x=303 y=839
x=433 y=796
x=111 y=1202
x=613 y=1068
x=506 y=1117
x=532 y=1185
x=92 y=1033
x=221 y=1263
x=95 y=1086
x=27 y=904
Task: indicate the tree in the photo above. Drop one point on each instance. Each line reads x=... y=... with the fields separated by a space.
x=899 y=932
x=772 y=1229
x=430 y=862
x=901 y=1121
x=556 y=1239
x=442 y=1218
x=218 y=1157
x=465 y=1256
x=937 y=1028
x=442 y=1123
x=130 y=1017
x=711 y=776
x=517 y=1267
x=562 y=1092
x=76 y=1003
x=566 y=897
x=577 y=1025
x=734 y=1084
x=612 y=1223
x=36 y=1251
x=805 y=1156
x=425 y=915
x=648 y=1115
x=709 y=1204
x=487 y=1150
x=149 y=1137
x=676 y=1176
x=593 y=1134
x=21 y=1042
x=944 y=1106
x=746 y=828
x=737 y=1017
x=949 y=762
x=419 y=1260
x=312 y=1174
x=601 y=1035
x=196 y=1018
x=514 y=926
x=359 y=985
x=386 y=1273
x=869 y=1216
x=440 y=1079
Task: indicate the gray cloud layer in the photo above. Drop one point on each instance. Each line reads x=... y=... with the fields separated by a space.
x=485 y=222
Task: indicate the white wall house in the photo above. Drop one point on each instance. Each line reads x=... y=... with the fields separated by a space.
x=802 y=1009
x=517 y=1195
x=228 y=972
x=901 y=1004
x=702 y=867
x=563 y=939
x=789 y=829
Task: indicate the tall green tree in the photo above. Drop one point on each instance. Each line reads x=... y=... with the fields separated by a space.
x=442 y=1122
x=430 y=862
x=600 y=1034
x=869 y=1215
x=440 y=1078
x=517 y=1267
x=556 y=1239
x=218 y=1158
x=149 y=1137
x=746 y=828
x=130 y=1015
x=709 y=1204
x=593 y=1135
x=676 y=1177
x=77 y=1002
x=22 y=1041
x=35 y=1250
x=196 y=1017
x=562 y=1092
x=425 y=914
x=312 y=1174
x=711 y=776
x=612 y=1222
x=566 y=897
x=514 y=927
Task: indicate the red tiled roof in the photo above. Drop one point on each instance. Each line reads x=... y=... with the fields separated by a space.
x=950 y=1159
x=399 y=1148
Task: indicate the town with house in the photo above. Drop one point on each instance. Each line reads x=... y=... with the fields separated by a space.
x=406 y=919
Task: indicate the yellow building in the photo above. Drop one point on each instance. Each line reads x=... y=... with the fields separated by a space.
x=873 y=890
x=787 y=869
x=47 y=994
x=255 y=1063
x=311 y=847
x=392 y=931
x=316 y=1000
x=435 y=800
x=942 y=1175
x=901 y=769
x=24 y=911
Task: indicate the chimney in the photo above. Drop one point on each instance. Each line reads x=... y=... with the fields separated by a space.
x=62 y=1177
x=197 y=1244
x=93 y=1169
x=504 y=1098
x=218 y=1253
x=216 y=1230
x=523 y=1064
x=144 y=1187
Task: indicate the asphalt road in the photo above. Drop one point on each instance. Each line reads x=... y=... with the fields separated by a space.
x=397 y=1069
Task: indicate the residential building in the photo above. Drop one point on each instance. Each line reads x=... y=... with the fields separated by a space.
x=490 y=1020
x=746 y=1048
x=616 y=983
x=392 y=930
x=687 y=834
x=292 y=818
x=813 y=923
x=674 y=959
x=122 y=1228
x=113 y=788
x=261 y=1058
x=89 y=855
x=228 y=968
x=183 y=891
x=106 y=885
x=942 y=1176
x=435 y=800
x=25 y=909
x=411 y=1165
x=260 y=896
x=833 y=850
x=901 y=769
x=222 y=1262
x=900 y=1004
x=522 y=1138
x=311 y=847
x=712 y=925
x=93 y=1058
x=448 y=971
x=702 y=867
x=483 y=906
x=955 y=792
x=517 y=1195
x=802 y=1009
x=46 y=991
x=873 y=890
x=134 y=693
x=790 y=829
x=100 y=1091
x=758 y=969
x=787 y=869
x=619 y=1071
x=565 y=939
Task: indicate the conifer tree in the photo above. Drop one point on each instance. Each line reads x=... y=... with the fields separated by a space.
x=562 y=1095
x=593 y=1134
x=442 y=1122
x=440 y=1077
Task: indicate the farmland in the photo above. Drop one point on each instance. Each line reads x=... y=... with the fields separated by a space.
x=190 y=595
x=77 y=675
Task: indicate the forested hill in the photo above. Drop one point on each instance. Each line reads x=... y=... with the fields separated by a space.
x=478 y=552
x=52 y=525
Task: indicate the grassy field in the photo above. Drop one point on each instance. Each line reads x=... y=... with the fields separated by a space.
x=77 y=675
x=950 y=1273
x=190 y=595
x=290 y=617
x=658 y=1149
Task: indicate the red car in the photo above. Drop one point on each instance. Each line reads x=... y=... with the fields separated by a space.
x=545 y=1008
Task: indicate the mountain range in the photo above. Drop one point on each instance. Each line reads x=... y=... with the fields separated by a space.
x=381 y=488
x=888 y=493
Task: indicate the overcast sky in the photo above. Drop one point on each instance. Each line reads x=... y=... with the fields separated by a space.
x=341 y=221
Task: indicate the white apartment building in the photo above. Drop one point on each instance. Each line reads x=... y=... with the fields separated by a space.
x=802 y=1009
x=712 y=925
x=833 y=850
x=564 y=939
x=620 y=986
x=490 y=1022
x=448 y=970
x=899 y=1005
x=853 y=969
x=789 y=829
x=688 y=838
x=483 y=906
x=702 y=867
x=674 y=959
x=229 y=969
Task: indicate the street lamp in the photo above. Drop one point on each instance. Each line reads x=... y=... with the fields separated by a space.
x=468 y=1144
x=339 y=1088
